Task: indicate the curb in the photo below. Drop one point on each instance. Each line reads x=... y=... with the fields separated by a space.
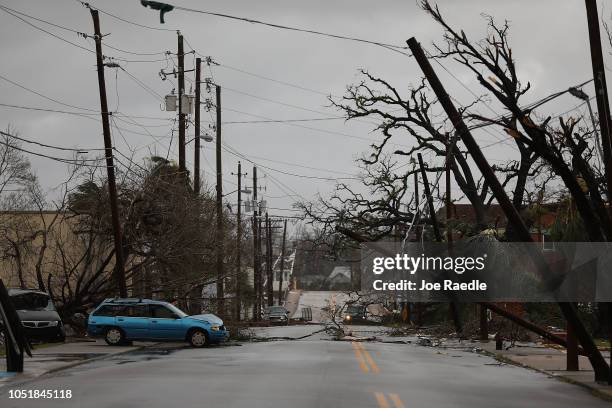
x=593 y=390
x=8 y=384
x=89 y=360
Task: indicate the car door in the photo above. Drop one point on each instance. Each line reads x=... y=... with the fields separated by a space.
x=134 y=320
x=165 y=324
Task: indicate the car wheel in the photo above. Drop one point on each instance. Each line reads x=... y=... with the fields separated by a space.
x=114 y=336
x=198 y=338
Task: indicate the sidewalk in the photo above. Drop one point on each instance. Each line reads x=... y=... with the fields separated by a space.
x=552 y=362
x=54 y=357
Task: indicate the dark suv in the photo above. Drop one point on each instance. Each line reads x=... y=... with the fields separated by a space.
x=40 y=320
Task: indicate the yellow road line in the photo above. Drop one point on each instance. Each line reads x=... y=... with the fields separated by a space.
x=382 y=401
x=396 y=400
x=359 y=356
x=369 y=358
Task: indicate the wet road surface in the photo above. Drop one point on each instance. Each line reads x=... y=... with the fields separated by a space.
x=302 y=374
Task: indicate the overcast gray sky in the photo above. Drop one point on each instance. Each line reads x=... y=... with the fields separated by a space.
x=549 y=40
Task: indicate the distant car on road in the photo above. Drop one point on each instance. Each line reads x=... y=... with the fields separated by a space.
x=119 y=321
x=355 y=313
x=38 y=315
x=276 y=314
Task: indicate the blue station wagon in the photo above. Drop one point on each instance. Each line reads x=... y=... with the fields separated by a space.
x=122 y=320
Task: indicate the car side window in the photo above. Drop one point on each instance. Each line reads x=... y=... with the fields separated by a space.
x=108 y=310
x=134 y=311
x=162 y=312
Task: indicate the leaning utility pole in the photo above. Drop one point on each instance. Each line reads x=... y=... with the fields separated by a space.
x=110 y=167
x=181 y=92
x=429 y=197
x=603 y=109
x=520 y=229
x=269 y=271
x=601 y=89
x=282 y=264
x=196 y=148
x=220 y=296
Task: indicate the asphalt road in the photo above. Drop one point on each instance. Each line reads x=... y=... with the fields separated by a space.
x=304 y=374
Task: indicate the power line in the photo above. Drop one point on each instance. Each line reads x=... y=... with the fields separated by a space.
x=47 y=32
x=235 y=122
x=90 y=6
x=307 y=127
x=290 y=105
x=44 y=96
x=58 y=159
x=391 y=47
x=276 y=80
x=286 y=172
x=143 y=85
x=78 y=150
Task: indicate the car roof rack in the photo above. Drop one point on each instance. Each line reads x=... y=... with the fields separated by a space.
x=123 y=300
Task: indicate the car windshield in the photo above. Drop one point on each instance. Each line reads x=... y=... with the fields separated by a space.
x=32 y=301
x=354 y=309
x=176 y=310
x=277 y=310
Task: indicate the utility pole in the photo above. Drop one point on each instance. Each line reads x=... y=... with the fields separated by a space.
x=220 y=296
x=601 y=88
x=110 y=167
x=196 y=152
x=238 y=245
x=260 y=289
x=181 y=92
x=454 y=306
x=256 y=306
x=601 y=368
x=269 y=271
x=282 y=264
x=432 y=210
x=603 y=110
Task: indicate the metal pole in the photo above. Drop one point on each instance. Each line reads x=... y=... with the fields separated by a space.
x=220 y=295
x=519 y=228
x=196 y=147
x=110 y=167
x=282 y=264
x=181 y=92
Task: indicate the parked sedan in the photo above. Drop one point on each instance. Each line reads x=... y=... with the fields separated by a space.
x=119 y=321
x=276 y=314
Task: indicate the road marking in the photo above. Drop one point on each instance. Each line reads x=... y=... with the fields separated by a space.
x=360 y=359
x=396 y=400
x=382 y=401
x=369 y=359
